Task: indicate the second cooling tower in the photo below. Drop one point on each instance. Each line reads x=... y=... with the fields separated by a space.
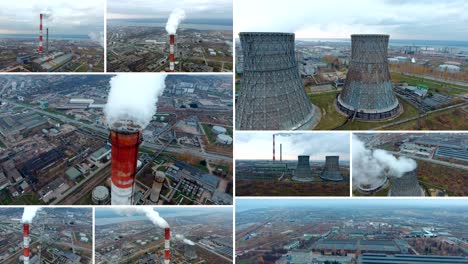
x=272 y=95
x=406 y=185
x=303 y=172
x=368 y=91
x=331 y=172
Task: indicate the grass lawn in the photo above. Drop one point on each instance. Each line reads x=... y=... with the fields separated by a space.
x=85 y=200
x=332 y=119
x=447 y=120
x=209 y=132
x=27 y=199
x=436 y=86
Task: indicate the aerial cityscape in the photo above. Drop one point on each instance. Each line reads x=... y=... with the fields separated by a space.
x=164 y=235
x=410 y=164
x=46 y=235
x=363 y=231
x=374 y=76
x=302 y=164
x=64 y=139
x=52 y=37
x=170 y=36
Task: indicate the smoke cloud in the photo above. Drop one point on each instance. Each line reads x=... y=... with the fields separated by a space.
x=29 y=213
x=97 y=37
x=133 y=97
x=184 y=239
x=147 y=211
x=175 y=18
x=370 y=167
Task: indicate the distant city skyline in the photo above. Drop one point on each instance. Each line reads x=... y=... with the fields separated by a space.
x=146 y=9
x=256 y=146
x=401 y=19
x=64 y=17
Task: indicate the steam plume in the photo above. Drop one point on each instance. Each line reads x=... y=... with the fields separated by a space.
x=133 y=97
x=29 y=213
x=175 y=18
x=147 y=211
x=371 y=166
x=97 y=37
x=184 y=239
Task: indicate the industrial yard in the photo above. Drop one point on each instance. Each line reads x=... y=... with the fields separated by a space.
x=350 y=231
x=432 y=164
x=321 y=170
x=55 y=235
x=202 y=235
x=56 y=147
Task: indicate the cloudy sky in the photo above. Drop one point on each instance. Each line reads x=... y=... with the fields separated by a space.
x=66 y=17
x=124 y=9
x=402 y=19
x=253 y=146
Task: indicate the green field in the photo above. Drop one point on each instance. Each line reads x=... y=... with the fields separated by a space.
x=447 y=120
x=436 y=86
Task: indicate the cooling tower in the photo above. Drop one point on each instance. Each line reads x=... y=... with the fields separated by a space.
x=368 y=91
x=272 y=95
x=303 y=172
x=331 y=172
x=189 y=252
x=406 y=185
x=125 y=139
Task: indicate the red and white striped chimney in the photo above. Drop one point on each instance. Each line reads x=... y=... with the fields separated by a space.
x=26 y=243
x=40 y=34
x=167 y=246
x=171 y=52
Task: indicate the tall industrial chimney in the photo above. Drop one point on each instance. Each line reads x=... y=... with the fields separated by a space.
x=159 y=178
x=167 y=245
x=125 y=139
x=406 y=185
x=368 y=91
x=272 y=95
x=331 y=172
x=281 y=152
x=26 y=251
x=274 y=147
x=171 y=52
x=303 y=172
x=47 y=41
x=40 y=34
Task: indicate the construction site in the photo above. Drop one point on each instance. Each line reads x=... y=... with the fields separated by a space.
x=58 y=149
x=321 y=176
x=355 y=85
x=54 y=235
x=203 y=237
x=424 y=164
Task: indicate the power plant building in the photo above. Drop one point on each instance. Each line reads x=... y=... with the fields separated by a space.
x=368 y=91
x=272 y=95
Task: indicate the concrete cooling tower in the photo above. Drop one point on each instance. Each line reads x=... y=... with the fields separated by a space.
x=406 y=185
x=368 y=91
x=272 y=95
x=331 y=172
x=303 y=172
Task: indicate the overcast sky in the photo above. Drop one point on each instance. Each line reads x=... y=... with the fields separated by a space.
x=258 y=145
x=402 y=19
x=124 y=9
x=66 y=17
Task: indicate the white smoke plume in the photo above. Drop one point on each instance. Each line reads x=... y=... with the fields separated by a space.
x=97 y=37
x=184 y=239
x=371 y=166
x=147 y=211
x=175 y=18
x=133 y=97
x=29 y=213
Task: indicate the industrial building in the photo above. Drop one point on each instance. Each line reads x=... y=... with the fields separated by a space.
x=409 y=259
x=368 y=91
x=394 y=246
x=272 y=95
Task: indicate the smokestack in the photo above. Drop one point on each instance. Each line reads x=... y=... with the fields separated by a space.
x=125 y=139
x=281 y=152
x=40 y=34
x=273 y=147
x=26 y=243
x=171 y=52
x=47 y=41
x=167 y=246
x=331 y=172
x=303 y=172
